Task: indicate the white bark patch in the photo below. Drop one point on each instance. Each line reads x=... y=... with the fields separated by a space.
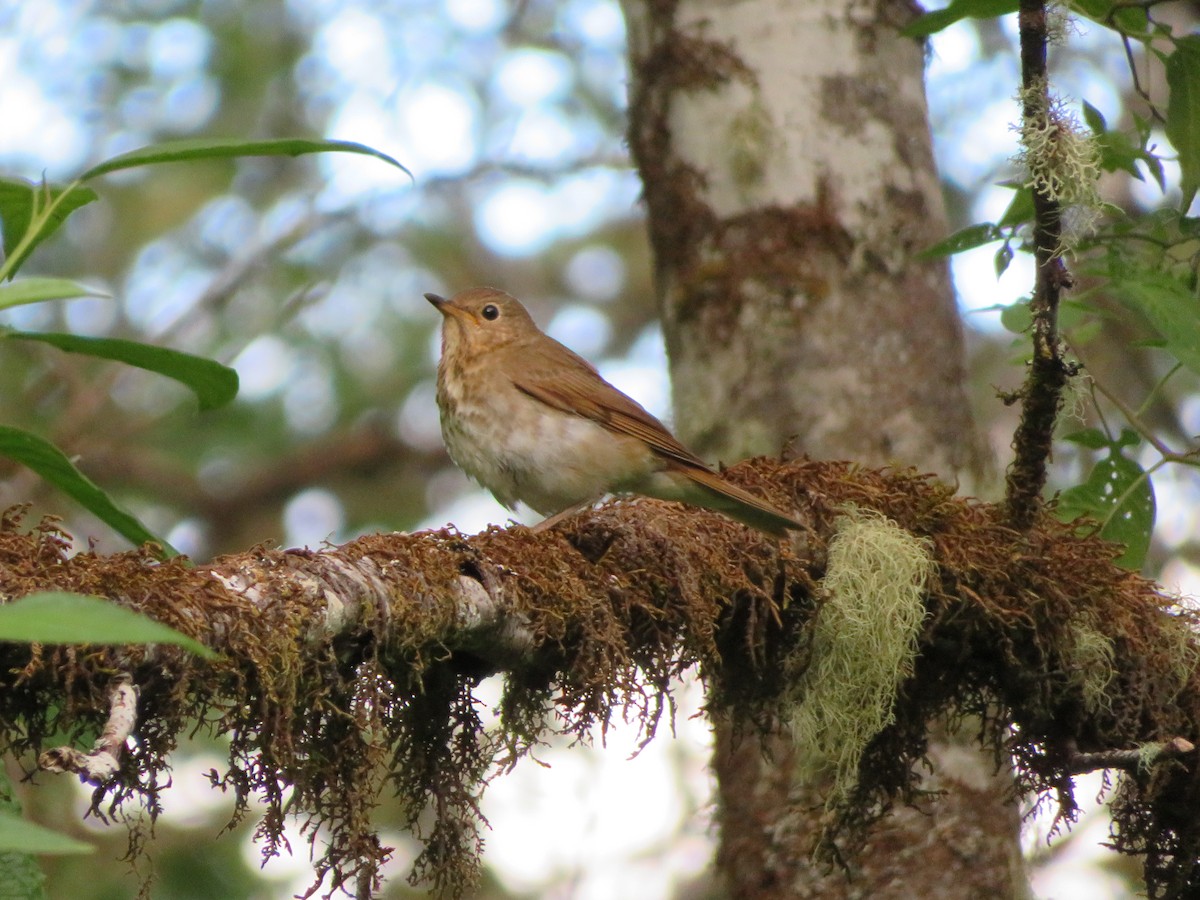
x=786 y=135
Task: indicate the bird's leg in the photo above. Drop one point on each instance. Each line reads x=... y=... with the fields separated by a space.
x=565 y=514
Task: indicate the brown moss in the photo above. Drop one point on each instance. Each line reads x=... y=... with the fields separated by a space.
x=613 y=605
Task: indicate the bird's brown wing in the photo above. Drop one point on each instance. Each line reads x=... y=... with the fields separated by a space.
x=570 y=383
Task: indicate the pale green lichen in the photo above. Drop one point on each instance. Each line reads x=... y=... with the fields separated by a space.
x=1060 y=24
x=1148 y=755
x=1091 y=664
x=863 y=647
x=1183 y=650
x=1061 y=160
x=1078 y=399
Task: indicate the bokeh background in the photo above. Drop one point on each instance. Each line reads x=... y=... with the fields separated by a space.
x=307 y=276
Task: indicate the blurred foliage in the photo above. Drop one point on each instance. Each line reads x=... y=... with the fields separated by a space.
x=315 y=290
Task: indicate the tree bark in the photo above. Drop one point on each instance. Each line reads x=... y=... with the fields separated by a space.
x=789 y=181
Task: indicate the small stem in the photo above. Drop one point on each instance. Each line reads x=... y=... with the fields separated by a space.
x=1159 y=385
x=1131 y=416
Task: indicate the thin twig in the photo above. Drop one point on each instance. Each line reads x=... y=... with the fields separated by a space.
x=1111 y=21
x=1130 y=760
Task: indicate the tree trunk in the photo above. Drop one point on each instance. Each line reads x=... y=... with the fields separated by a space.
x=789 y=181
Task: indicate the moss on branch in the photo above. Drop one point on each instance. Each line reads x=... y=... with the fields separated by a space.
x=349 y=671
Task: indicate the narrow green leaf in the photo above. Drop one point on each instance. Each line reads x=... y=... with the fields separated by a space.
x=1003 y=258
x=939 y=19
x=1094 y=118
x=214 y=384
x=19 y=835
x=225 y=148
x=1154 y=164
x=1118 y=494
x=1183 y=112
x=37 y=290
x=19 y=199
x=965 y=239
x=53 y=465
x=1020 y=210
x=58 y=617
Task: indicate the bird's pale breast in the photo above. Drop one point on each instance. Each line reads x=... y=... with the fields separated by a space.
x=523 y=450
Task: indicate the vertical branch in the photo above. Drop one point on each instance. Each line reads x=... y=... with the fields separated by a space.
x=1041 y=394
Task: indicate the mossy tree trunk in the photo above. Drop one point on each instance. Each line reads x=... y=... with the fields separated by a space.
x=789 y=180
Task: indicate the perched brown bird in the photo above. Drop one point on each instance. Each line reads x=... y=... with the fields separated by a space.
x=532 y=421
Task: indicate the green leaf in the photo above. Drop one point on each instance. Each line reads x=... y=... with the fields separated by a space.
x=53 y=465
x=1117 y=15
x=1017 y=317
x=939 y=19
x=1079 y=320
x=1183 y=111
x=20 y=874
x=1094 y=118
x=1118 y=494
x=224 y=148
x=58 y=617
x=965 y=239
x=37 y=290
x=1119 y=154
x=19 y=835
x=1144 y=128
x=1020 y=210
x=1127 y=438
x=1088 y=437
x=1171 y=308
x=24 y=203
x=214 y=384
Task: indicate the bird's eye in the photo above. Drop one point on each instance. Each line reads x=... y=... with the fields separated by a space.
x=491 y=312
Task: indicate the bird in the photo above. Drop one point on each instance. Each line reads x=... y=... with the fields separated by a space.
x=534 y=422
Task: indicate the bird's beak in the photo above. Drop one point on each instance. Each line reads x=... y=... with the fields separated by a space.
x=446 y=307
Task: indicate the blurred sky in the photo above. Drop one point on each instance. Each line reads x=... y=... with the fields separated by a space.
x=440 y=87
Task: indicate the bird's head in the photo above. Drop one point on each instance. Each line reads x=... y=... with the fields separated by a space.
x=481 y=319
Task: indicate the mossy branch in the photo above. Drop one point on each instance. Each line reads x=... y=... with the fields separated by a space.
x=1041 y=394
x=351 y=670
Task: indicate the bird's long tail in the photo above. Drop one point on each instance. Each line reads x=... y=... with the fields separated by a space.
x=714 y=492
